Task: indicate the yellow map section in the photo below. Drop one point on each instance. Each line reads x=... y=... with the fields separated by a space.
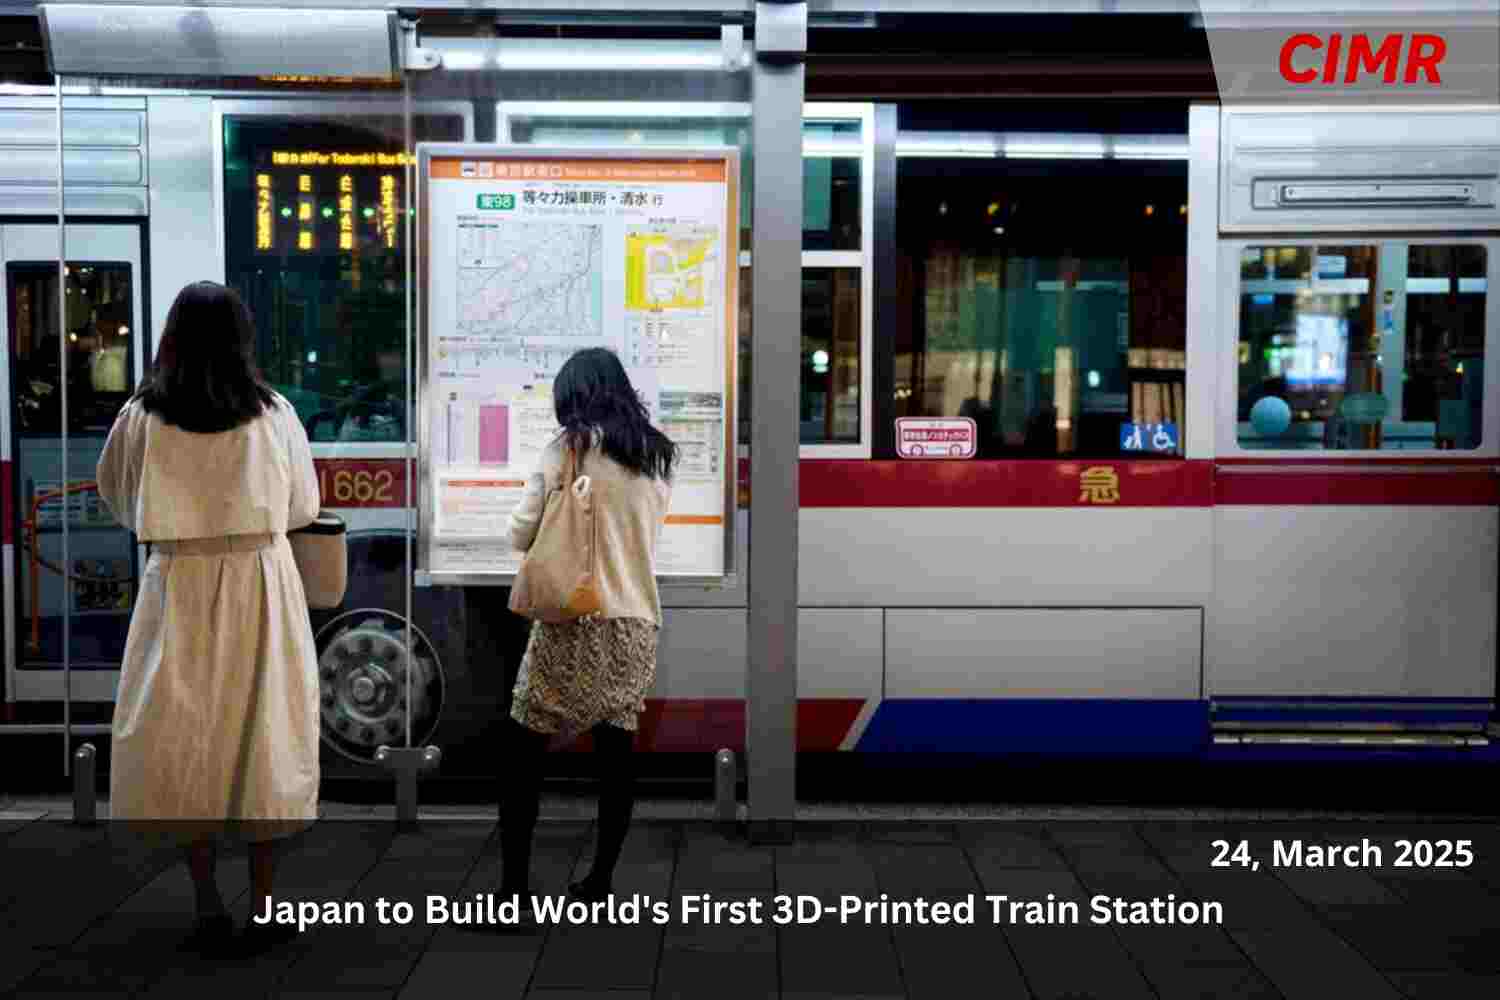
x=663 y=271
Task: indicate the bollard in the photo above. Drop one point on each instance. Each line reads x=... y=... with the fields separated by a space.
x=407 y=762
x=726 y=777
x=84 y=796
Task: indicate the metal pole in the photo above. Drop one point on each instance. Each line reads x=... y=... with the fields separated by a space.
x=408 y=430
x=725 y=779
x=62 y=351
x=776 y=331
x=84 y=787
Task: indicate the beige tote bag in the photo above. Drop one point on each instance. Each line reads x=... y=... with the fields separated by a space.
x=556 y=582
x=322 y=556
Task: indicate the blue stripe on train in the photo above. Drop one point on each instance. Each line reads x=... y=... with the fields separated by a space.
x=1033 y=725
x=1473 y=711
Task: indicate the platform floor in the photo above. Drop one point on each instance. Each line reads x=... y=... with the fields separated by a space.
x=80 y=915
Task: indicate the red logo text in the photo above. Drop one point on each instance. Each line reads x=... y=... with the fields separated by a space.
x=1360 y=56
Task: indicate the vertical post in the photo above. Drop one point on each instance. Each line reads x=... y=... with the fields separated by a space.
x=776 y=331
x=62 y=403
x=1391 y=305
x=887 y=265
x=84 y=788
x=726 y=777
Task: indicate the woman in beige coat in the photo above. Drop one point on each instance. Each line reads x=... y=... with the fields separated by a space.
x=216 y=718
x=591 y=674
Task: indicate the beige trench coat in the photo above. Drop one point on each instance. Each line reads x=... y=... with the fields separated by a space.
x=216 y=717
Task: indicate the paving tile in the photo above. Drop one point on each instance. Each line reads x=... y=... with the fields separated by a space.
x=843 y=960
x=909 y=832
x=92 y=972
x=1025 y=884
x=503 y=973
x=1157 y=947
x=1211 y=982
x=1391 y=940
x=594 y=957
x=929 y=870
x=1444 y=892
x=701 y=974
x=826 y=867
x=1314 y=964
x=1446 y=986
x=1334 y=886
x=1251 y=901
x=723 y=937
x=17 y=964
x=993 y=848
x=1060 y=962
x=934 y=958
x=710 y=861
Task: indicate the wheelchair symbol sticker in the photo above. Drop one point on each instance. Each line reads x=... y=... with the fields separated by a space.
x=1160 y=438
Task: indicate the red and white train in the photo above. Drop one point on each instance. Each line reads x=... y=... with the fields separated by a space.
x=1236 y=433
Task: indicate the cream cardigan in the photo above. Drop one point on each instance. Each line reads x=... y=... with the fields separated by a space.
x=629 y=521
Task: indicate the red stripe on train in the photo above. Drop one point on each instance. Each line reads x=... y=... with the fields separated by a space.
x=856 y=483
x=361 y=482
x=1453 y=487
x=693 y=724
x=1024 y=483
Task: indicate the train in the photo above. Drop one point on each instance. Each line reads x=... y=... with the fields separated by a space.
x=1222 y=462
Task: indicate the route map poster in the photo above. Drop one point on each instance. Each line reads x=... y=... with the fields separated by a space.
x=527 y=256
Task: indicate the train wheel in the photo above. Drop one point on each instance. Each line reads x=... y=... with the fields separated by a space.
x=362 y=675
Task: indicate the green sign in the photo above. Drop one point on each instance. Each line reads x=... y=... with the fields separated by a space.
x=503 y=202
x=1364 y=408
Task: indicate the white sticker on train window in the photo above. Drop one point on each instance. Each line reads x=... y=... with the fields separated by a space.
x=936 y=437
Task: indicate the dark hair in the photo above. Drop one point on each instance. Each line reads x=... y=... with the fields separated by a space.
x=205 y=379
x=593 y=392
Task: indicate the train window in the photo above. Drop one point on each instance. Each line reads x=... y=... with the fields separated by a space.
x=94 y=588
x=831 y=361
x=1046 y=301
x=99 y=338
x=315 y=240
x=831 y=216
x=1361 y=346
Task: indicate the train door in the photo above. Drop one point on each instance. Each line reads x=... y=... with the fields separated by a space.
x=1357 y=552
x=68 y=595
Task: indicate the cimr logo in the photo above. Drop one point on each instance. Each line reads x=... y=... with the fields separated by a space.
x=497 y=202
x=1358 y=56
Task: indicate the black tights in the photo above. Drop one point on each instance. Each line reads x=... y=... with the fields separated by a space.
x=521 y=794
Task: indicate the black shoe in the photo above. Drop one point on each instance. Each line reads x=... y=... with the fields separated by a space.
x=257 y=939
x=589 y=892
x=211 y=936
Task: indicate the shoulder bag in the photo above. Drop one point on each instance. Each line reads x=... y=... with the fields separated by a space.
x=322 y=557
x=556 y=582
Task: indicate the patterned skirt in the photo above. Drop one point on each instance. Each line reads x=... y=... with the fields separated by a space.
x=578 y=674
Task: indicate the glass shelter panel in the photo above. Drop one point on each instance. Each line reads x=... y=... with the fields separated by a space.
x=625 y=93
x=95 y=585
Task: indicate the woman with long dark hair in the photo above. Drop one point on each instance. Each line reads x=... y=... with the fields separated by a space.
x=591 y=674
x=216 y=718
